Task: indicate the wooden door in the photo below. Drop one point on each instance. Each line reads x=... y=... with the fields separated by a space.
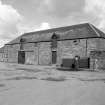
x=54 y=57
x=21 y=57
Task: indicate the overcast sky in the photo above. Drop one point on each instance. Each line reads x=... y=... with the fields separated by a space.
x=20 y=16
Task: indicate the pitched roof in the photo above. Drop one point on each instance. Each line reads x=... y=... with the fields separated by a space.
x=78 y=31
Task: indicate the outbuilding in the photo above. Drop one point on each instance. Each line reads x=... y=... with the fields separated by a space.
x=50 y=46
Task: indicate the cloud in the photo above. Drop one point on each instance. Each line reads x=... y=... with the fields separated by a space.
x=44 y=26
x=2 y=42
x=44 y=14
x=9 y=18
x=97 y=10
x=56 y=12
x=61 y=8
x=68 y=12
x=24 y=28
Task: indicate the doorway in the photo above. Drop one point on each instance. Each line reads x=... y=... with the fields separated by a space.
x=21 y=57
x=54 y=57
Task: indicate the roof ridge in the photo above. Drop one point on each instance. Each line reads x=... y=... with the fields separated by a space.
x=94 y=30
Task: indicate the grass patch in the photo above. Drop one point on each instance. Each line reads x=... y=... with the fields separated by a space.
x=92 y=80
x=22 y=78
x=61 y=78
x=29 y=70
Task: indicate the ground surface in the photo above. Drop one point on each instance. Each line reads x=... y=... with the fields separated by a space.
x=36 y=85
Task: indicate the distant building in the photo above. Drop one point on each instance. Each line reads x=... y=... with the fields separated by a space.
x=3 y=56
x=50 y=46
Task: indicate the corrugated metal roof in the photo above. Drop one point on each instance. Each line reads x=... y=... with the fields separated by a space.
x=85 y=30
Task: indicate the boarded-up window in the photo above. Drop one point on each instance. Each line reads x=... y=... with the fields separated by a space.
x=54 y=44
x=54 y=41
x=22 y=40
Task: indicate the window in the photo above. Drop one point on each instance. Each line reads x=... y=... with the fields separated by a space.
x=54 y=40
x=54 y=44
x=76 y=42
x=22 y=40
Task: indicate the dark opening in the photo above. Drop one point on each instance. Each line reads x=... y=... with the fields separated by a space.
x=73 y=66
x=54 y=57
x=84 y=63
x=54 y=41
x=21 y=57
x=54 y=36
x=66 y=62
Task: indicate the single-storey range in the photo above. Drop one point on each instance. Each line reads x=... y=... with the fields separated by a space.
x=50 y=46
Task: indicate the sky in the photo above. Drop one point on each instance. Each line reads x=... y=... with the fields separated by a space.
x=21 y=16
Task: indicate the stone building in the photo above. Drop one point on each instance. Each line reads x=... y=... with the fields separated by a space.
x=50 y=46
x=2 y=54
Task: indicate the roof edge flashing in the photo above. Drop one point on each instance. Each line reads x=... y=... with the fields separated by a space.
x=94 y=30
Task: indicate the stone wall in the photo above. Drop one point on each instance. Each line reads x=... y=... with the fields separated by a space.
x=97 y=60
x=40 y=53
x=12 y=53
x=71 y=48
x=31 y=53
x=29 y=57
x=44 y=53
x=1 y=57
x=82 y=48
x=91 y=45
x=95 y=44
x=101 y=44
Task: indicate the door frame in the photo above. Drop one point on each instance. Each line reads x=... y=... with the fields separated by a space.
x=54 y=60
x=21 y=58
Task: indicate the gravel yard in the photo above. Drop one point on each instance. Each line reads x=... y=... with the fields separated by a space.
x=44 y=85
